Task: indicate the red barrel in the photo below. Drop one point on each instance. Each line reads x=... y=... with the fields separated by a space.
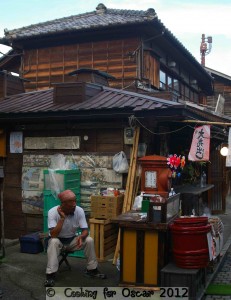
x=190 y=244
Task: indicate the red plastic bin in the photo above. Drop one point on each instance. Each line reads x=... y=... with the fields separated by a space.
x=190 y=243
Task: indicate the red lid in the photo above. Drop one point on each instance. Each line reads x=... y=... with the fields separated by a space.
x=153 y=157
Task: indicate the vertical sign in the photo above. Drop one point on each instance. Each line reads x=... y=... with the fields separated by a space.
x=200 y=146
x=16 y=142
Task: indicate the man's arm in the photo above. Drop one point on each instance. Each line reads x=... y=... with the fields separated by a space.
x=81 y=237
x=54 y=232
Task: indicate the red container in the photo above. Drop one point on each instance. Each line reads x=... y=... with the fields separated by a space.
x=195 y=221
x=190 y=244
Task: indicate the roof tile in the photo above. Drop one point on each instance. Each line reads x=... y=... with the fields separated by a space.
x=108 y=98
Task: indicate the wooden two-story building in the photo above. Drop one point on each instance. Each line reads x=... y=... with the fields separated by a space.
x=84 y=82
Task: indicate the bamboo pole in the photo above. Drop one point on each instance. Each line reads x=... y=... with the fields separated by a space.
x=204 y=122
x=133 y=170
x=129 y=192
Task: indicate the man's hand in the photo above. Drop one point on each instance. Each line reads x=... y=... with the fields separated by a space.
x=79 y=242
x=61 y=213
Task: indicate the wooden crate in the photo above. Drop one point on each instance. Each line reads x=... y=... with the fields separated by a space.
x=105 y=236
x=106 y=207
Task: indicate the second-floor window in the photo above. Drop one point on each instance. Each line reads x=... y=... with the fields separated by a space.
x=163 y=79
x=169 y=83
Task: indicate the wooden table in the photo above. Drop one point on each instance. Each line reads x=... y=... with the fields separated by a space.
x=144 y=249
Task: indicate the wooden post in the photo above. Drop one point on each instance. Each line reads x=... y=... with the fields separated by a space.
x=133 y=170
x=130 y=185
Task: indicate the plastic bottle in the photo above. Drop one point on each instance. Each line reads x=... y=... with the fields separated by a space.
x=203 y=179
x=116 y=192
x=172 y=192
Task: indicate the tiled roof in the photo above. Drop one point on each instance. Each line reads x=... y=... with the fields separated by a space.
x=217 y=73
x=102 y=17
x=108 y=99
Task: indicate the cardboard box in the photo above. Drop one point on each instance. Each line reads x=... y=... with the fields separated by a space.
x=106 y=207
x=31 y=243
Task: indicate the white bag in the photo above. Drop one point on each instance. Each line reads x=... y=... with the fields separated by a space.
x=120 y=163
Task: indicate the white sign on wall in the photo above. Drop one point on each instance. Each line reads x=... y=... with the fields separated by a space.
x=68 y=142
x=16 y=142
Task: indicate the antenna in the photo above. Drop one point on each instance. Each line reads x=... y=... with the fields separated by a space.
x=205 y=48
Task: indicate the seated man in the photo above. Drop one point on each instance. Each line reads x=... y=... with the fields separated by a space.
x=63 y=221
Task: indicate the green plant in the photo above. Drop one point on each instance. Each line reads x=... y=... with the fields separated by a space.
x=192 y=171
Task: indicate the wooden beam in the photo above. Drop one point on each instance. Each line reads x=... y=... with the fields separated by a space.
x=204 y=122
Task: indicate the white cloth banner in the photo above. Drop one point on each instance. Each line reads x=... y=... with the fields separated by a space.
x=228 y=157
x=200 y=146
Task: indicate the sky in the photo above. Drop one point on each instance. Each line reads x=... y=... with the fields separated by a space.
x=187 y=20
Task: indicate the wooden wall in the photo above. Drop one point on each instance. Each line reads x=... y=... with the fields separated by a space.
x=224 y=89
x=10 y=85
x=217 y=172
x=14 y=220
x=101 y=139
x=51 y=65
x=151 y=69
x=14 y=85
x=2 y=86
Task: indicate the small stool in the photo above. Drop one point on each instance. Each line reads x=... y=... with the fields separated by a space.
x=64 y=254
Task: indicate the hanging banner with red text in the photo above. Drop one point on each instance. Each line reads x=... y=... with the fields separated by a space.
x=200 y=146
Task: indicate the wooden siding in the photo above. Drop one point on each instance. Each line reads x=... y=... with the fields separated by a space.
x=101 y=138
x=51 y=65
x=218 y=194
x=225 y=91
x=10 y=85
x=2 y=87
x=76 y=92
x=14 y=85
x=14 y=220
x=151 y=69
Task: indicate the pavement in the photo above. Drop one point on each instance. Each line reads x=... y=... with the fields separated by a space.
x=222 y=271
x=22 y=275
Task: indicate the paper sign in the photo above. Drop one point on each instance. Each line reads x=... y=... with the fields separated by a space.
x=200 y=146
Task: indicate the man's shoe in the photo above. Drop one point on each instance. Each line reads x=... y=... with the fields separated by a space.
x=95 y=273
x=49 y=282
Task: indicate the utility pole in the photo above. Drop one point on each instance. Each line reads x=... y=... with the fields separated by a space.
x=205 y=48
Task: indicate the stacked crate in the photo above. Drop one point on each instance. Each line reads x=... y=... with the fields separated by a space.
x=102 y=230
x=106 y=207
x=105 y=234
x=65 y=180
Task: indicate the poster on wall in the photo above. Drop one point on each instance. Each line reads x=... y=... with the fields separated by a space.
x=16 y=142
x=32 y=189
x=96 y=174
x=32 y=202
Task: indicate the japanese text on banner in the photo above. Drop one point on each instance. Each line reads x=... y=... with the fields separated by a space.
x=200 y=146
